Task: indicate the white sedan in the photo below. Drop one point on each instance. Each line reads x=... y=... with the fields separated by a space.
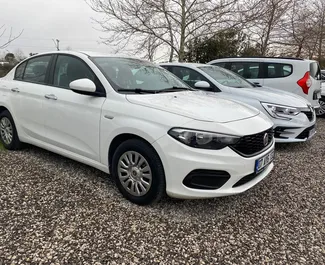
x=293 y=116
x=137 y=121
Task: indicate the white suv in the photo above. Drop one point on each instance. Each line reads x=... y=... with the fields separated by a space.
x=299 y=76
x=137 y=121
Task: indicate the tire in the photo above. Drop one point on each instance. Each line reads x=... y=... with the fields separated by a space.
x=321 y=110
x=143 y=162
x=7 y=125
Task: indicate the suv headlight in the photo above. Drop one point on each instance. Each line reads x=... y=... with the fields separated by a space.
x=202 y=139
x=280 y=111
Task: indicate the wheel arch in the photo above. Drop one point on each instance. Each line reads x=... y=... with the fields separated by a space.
x=119 y=139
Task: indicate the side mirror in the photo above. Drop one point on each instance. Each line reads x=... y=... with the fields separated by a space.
x=202 y=85
x=83 y=85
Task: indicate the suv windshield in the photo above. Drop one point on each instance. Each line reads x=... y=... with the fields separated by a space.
x=226 y=77
x=137 y=76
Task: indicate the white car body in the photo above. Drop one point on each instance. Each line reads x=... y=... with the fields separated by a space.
x=294 y=70
x=86 y=127
x=298 y=128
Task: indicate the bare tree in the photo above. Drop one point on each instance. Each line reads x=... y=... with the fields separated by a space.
x=11 y=37
x=265 y=29
x=169 y=23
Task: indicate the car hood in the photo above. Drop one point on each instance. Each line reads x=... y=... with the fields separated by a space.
x=198 y=105
x=271 y=95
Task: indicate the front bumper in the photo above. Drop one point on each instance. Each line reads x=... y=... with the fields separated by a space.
x=295 y=130
x=180 y=160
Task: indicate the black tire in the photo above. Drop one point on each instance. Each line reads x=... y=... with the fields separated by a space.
x=158 y=184
x=15 y=143
x=321 y=111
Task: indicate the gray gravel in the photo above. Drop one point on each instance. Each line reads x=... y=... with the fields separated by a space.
x=57 y=211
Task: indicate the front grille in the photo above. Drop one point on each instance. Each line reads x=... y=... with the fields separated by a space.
x=309 y=114
x=251 y=145
x=305 y=133
x=206 y=179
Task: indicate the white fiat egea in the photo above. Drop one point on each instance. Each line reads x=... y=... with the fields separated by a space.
x=137 y=121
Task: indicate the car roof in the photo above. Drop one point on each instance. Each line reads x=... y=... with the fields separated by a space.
x=88 y=54
x=191 y=65
x=253 y=59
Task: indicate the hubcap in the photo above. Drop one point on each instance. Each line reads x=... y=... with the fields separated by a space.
x=6 y=131
x=134 y=173
x=321 y=109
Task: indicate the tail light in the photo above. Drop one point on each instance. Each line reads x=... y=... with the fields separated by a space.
x=305 y=83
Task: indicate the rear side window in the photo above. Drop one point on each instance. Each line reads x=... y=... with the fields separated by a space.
x=36 y=69
x=20 y=71
x=277 y=70
x=315 y=71
x=248 y=70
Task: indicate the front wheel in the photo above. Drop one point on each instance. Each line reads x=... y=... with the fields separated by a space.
x=321 y=110
x=138 y=172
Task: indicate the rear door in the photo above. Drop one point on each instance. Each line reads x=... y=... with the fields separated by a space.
x=73 y=119
x=28 y=90
x=279 y=75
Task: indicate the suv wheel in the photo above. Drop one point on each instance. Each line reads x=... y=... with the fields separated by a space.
x=8 y=132
x=321 y=109
x=138 y=172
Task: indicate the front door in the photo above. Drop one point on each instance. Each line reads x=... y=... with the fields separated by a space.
x=73 y=120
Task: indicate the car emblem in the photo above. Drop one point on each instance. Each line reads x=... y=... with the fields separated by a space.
x=266 y=139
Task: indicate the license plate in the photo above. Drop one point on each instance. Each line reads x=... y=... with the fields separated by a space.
x=264 y=161
x=312 y=132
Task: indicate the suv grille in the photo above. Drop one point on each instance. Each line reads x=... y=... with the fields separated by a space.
x=309 y=114
x=251 y=145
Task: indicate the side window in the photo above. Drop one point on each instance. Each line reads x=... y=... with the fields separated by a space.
x=277 y=70
x=69 y=68
x=221 y=64
x=36 y=69
x=188 y=75
x=20 y=71
x=246 y=69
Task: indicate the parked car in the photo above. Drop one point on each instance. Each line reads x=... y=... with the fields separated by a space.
x=298 y=76
x=322 y=99
x=293 y=117
x=137 y=121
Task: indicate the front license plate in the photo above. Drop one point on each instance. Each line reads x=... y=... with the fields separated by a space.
x=312 y=132
x=261 y=163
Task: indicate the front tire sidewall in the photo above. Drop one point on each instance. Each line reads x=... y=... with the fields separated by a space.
x=15 y=143
x=321 y=101
x=158 y=186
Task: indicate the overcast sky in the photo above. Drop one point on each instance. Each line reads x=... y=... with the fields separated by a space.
x=43 y=20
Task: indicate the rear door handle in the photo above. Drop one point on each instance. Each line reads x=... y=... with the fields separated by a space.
x=51 y=96
x=16 y=90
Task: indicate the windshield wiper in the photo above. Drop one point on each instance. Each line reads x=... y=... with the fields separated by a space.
x=138 y=91
x=173 y=89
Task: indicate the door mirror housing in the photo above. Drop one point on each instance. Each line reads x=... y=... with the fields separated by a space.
x=83 y=85
x=202 y=85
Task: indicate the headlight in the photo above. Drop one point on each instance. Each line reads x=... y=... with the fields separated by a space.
x=280 y=111
x=203 y=140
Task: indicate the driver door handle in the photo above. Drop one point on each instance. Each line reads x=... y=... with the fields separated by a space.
x=16 y=90
x=51 y=96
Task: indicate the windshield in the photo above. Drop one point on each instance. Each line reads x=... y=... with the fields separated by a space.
x=226 y=77
x=133 y=75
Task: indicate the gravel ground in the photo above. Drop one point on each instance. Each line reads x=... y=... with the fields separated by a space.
x=56 y=211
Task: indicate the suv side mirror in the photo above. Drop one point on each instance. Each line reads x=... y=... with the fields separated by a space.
x=202 y=85
x=83 y=85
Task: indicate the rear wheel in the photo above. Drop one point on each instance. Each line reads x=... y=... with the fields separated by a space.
x=321 y=109
x=8 y=132
x=138 y=172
